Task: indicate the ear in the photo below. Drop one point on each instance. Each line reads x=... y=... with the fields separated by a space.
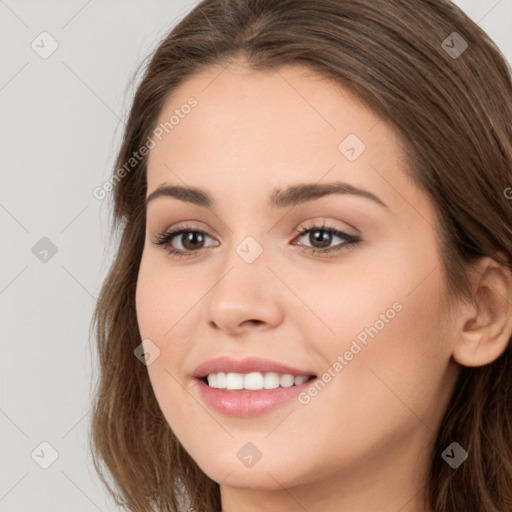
x=485 y=326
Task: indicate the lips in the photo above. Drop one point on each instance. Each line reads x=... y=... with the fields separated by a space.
x=247 y=403
x=246 y=365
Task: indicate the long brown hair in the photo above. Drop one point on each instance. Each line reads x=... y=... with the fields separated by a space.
x=451 y=104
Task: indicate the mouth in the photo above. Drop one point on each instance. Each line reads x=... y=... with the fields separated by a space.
x=254 y=381
x=249 y=387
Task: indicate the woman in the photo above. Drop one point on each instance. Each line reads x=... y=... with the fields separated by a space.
x=310 y=305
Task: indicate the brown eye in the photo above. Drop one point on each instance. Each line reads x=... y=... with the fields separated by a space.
x=191 y=240
x=321 y=237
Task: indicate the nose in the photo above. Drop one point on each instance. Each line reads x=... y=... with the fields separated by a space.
x=245 y=296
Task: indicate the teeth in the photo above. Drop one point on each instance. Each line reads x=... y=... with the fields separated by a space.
x=286 y=380
x=300 y=380
x=212 y=380
x=234 y=381
x=254 y=381
x=271 y=380
x=221 y=380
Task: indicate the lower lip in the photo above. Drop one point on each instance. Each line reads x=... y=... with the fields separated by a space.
x=248 y=403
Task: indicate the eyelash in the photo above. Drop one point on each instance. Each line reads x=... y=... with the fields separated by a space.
x=164 y=239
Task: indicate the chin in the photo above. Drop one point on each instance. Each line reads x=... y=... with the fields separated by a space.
x=270 y=474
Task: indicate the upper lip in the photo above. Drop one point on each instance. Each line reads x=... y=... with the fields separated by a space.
x=246 y=365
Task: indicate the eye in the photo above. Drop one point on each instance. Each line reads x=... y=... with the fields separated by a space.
x=322 y=236
x=192 y=240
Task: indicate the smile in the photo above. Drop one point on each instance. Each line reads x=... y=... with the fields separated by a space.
x=254 y=381
x=248 y=387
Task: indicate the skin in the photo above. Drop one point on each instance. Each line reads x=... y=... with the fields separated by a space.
x=363 y=443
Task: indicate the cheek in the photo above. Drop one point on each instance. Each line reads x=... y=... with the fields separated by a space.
x=162 y=302
x=165 y=316
x=394 y=352
x=163 y=297
x=407 y=362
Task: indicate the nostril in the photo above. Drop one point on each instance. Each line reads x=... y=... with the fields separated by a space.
x=255 y=322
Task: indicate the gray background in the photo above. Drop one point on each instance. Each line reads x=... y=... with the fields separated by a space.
x=62 y=119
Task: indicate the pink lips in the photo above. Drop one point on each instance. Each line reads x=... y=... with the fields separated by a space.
x=249 y=364
x=244 y=403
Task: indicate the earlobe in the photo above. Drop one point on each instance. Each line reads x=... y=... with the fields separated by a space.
x=486 y=324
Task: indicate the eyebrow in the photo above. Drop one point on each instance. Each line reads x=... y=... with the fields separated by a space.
x=291 y=196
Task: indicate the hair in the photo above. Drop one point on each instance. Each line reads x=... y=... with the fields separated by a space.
x=453 y=115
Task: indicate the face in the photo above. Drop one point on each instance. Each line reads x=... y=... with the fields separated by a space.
x=344 y=286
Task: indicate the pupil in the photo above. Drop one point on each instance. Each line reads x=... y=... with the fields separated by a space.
x=191 y=240
x=324 y=238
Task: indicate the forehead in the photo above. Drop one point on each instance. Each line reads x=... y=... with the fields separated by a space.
x=305 y=104
x=273 y=127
